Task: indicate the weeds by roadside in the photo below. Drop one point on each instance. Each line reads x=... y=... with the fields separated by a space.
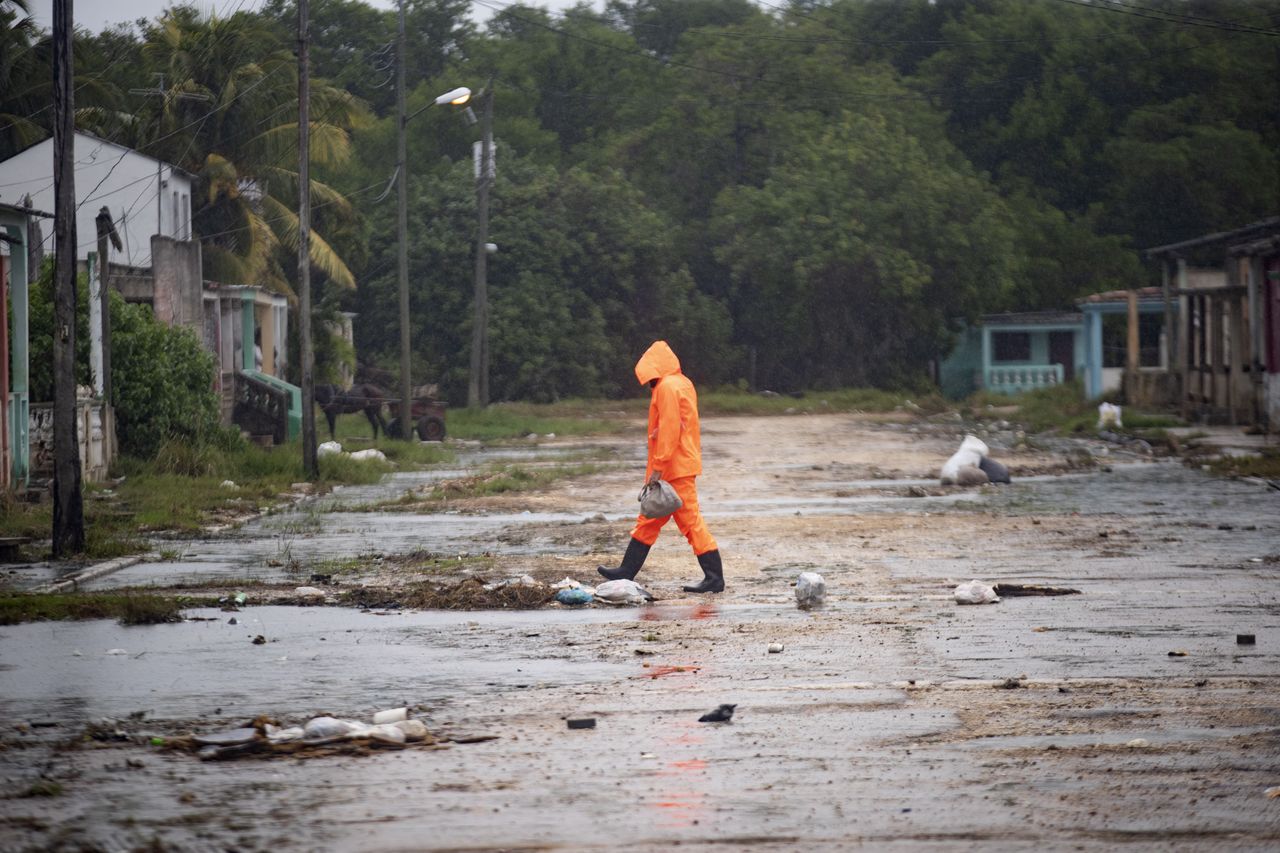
x=129 y=608
x=1266 y=465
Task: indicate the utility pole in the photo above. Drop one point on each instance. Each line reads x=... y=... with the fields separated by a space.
x=68 y=499
x=402 y=232
x=478 y=387
x=309 y=462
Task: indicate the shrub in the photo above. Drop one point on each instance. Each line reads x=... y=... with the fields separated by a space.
x=162 y=381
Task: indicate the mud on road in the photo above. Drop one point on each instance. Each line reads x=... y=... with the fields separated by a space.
x=1126 y=716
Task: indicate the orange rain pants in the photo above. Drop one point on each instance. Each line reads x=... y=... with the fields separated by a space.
x=688 y=520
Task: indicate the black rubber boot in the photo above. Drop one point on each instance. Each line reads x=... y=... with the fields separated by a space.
x=631 y=562
x=712 y=573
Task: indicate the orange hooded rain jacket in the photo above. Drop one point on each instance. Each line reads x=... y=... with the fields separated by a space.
x=675 y=447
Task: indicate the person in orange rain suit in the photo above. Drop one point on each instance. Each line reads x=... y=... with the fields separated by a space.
x=675 y=454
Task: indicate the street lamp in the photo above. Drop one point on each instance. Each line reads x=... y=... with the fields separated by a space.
x=456 y=97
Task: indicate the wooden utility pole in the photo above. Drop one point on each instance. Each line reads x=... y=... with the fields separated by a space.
x=402 y=235
x=309 y=462
x=68 y=499
x=478 y=387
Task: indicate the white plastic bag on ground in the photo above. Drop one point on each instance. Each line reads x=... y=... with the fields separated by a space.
x=811 y=590
x=275 y=734
x=971 y=451
x=413 y=729
x=1109 y=416
x=328 y=448
x=388 y=733
x=372 y=454
x=321 y=729
x=622 y=592
x=391 y=715
x=976 y=592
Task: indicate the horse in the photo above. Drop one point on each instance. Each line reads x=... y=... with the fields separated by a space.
x=365 y=397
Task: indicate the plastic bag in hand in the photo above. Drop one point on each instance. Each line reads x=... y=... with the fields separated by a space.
x=658 y=500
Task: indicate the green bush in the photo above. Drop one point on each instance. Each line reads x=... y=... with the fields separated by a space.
x=162 y=380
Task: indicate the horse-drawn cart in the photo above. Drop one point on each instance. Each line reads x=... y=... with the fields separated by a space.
x=428 y=418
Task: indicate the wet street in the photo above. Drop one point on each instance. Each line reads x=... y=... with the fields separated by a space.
x=1129 y=716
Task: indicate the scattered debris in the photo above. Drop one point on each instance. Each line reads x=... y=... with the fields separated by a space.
x=1017 y=589
x=372 y=454
x=1010 y=684
x=970 y=454
x=995 y=472
x=1109 y=416
x=259 y=640
x=466 y=594
x=775 y=648
x=622 y=592
x=391 y=715
x=659 y=671
x=1272 y=792
x=1246 y=639
x=308 y=592
x=320 y=736
x=576 y=596
x=328 y=448
x=723 y=714
x=811 y=590
x=917 y=492
x=1138 y=743
x=975 y=592
x=1177 y=653
x=582 y=723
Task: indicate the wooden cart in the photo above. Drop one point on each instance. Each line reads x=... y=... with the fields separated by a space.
x=428 y=419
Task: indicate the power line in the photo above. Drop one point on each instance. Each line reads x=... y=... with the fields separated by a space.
x=1170 y=17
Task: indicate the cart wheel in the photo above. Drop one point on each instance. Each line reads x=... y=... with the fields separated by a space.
x=431 y=428
x=393 y=428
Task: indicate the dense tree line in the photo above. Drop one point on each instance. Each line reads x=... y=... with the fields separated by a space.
x=796 y=194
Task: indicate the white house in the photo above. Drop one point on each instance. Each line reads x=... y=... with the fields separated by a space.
x=146 y=196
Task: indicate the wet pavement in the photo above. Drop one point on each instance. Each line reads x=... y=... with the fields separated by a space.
x=1126 y=717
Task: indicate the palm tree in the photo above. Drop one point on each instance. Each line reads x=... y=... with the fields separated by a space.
x=20 y=79
x=228 y=114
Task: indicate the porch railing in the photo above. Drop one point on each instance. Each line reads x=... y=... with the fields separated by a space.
x=1016 y=380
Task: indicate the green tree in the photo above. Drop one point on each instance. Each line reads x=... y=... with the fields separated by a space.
x=162 y=379
x=228 y=114
x=856 y=253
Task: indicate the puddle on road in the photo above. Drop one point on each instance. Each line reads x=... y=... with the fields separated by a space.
x=331 y=659
x=316 y=659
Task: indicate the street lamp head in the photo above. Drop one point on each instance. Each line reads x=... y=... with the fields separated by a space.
x=457 y=97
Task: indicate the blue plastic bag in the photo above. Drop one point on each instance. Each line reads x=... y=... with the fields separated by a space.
x=574 y=596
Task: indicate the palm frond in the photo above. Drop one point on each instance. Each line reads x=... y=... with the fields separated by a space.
x=285 y=222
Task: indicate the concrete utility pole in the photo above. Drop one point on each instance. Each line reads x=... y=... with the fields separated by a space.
x=309 y=462
x=402 y=232
x=68 y=499
x=478 y=387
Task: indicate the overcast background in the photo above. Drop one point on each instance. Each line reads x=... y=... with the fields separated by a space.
x=97 y=15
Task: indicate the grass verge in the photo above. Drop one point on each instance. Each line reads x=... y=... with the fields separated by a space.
x=1265 y=465
x=127 y=608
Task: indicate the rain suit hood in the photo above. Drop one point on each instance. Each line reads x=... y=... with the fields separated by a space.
x=658 y=361
x=675 y=446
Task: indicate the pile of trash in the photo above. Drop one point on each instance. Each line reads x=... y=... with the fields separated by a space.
x=333 y=448
x=392 y=728
x=971 y=465
x=618 y=593
x=521 y=593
